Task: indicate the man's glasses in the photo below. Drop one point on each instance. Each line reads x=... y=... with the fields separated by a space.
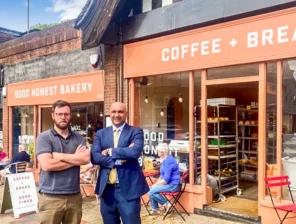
x=60 y=115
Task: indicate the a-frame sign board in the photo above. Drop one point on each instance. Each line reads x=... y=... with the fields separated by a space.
x=19 y=194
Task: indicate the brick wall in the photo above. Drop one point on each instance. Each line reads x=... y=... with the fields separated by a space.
x=110 y=70
x=49 y=53
x=113 y=59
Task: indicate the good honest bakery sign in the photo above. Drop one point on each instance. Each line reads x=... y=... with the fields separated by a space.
x=86 y=87
x=266 y=37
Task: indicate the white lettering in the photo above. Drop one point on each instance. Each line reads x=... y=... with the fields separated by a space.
x=33 y=92
x=175 y=53
x=294 y=35
x=252 y=39
x=23 y=93
x=165 y=54
x=89 y=84
x=55 y=90
x=216 y=46
x=83 y=87
x=78 y=88
x=194 y=48
x=282 y=33
x=205 y=47
x=67 y=91
x=267 y=36
x=62 y=89
x=184 y=49
x=146 y=149
x=73 y=88
x=160 y=137
x=46 y=91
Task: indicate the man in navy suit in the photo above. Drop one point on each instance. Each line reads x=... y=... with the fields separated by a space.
x=121 y=182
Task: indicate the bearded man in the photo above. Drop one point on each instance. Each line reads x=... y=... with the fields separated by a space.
x=60 y=152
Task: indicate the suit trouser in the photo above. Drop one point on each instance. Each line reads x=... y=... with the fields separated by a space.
x=114 y=206
x=56 y=209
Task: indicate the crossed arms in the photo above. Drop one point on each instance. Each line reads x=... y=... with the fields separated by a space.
x=61 y=161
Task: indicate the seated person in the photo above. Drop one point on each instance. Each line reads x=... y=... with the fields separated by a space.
x=20 y=156
x=86 y=173
x=168 y=181
x=3 y=157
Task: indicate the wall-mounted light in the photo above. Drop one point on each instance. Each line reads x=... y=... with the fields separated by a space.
x=180 y=98
x=161 y=113
x=78 y=114
x=101 y=114
x=146 y=97
x=20 y=124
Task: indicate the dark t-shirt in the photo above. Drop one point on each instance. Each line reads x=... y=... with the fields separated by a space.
x=22 y=156
x=59 y=182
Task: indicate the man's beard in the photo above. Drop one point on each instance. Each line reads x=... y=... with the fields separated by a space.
x=62 y=127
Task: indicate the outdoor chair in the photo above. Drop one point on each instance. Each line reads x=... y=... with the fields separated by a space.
x=280 y=181
x=94 y=176
x=175 y=196
x=20 y=167
x=148 y=175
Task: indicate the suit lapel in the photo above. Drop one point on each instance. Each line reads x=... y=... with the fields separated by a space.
x=110 y=136
x=123 y=135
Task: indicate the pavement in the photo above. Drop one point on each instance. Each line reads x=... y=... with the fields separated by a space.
x=91 y=215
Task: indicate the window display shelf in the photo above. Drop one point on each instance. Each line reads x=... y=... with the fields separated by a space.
x=213 y=121
x=248 y=125
x=245 y=165
x=227 y=189
x=248 y=152
x=221 y=146
x=221 y=157
x=221 y=136
x=222 y=133
x=248 y=138
x=225 y=178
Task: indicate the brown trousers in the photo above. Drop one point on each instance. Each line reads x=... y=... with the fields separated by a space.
x=57 y=209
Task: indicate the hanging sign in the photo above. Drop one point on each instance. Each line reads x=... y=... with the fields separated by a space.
x=20 y=194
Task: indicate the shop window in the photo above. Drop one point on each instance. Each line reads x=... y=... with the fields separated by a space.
x=289 y=122
x=197 y=127
x=162 y=111
x=149 y=5
x=271 y=114
x=86 y=119
x=233 y=71
x=23 y=129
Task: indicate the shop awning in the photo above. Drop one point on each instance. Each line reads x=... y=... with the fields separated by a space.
x=96 y=17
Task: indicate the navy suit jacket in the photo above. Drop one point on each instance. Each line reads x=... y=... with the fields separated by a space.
x=131 y=179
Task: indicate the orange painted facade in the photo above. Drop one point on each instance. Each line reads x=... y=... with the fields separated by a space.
x=268 y=37
x=261 y=38
x=78 y=88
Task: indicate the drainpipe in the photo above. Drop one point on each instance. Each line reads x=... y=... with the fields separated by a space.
x=119 y=82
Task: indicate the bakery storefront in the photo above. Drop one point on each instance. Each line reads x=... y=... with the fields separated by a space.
x=30 y=107
x=224 y=98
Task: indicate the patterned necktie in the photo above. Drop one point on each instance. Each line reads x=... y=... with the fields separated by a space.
x=113 y=173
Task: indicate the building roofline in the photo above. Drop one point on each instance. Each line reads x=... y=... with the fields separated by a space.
x=11 y=32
